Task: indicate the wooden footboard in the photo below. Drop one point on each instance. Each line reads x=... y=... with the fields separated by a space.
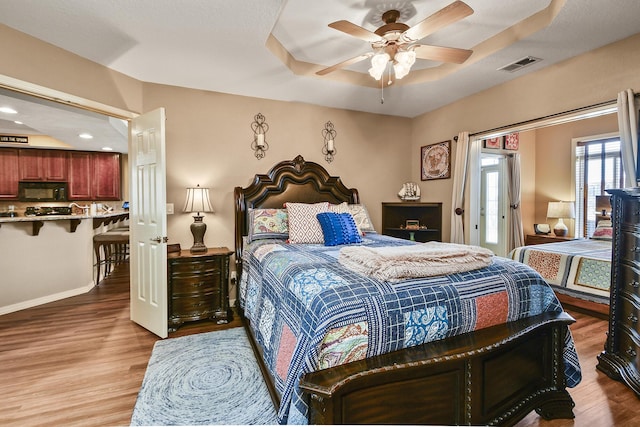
x=493 y=376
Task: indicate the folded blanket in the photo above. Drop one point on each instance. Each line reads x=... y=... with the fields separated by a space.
x=395 y=263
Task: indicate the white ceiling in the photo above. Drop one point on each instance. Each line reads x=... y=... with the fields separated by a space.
x=222 y=45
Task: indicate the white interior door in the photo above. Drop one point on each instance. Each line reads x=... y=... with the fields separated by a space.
x=493 y=204
x=148 y=222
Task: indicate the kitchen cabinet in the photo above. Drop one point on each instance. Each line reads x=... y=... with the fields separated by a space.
x=43 y=165
x=94 y=176
x=80 y=180
x=9 y=173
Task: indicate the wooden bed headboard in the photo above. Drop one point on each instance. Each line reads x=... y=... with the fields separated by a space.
x=288 y=181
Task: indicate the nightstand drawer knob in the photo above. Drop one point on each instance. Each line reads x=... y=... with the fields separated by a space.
x=632 y=318
x=635 y=249
x=635 y=284
x=631 y=352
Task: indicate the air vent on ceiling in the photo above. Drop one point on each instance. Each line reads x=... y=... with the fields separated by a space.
x=521 y=63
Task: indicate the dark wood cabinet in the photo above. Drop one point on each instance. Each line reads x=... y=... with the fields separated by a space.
x=198 y=286
x=620 y=359
x=427 y=215
x=80 y=176
x=9 y=173
x=94 y=176
x=43 y=165
x=106 y=175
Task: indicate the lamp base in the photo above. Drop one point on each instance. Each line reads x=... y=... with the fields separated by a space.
x=198 y=228
x=560 y=229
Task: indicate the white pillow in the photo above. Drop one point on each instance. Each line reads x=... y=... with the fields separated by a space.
x=304 y=226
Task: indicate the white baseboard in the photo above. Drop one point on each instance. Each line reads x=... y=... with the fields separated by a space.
x=46 y=299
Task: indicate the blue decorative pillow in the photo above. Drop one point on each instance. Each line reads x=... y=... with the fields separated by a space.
x=338 y=228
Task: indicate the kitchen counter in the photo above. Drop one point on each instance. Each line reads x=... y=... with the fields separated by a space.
x=74 y=220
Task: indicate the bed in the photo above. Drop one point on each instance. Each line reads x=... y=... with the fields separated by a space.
x=331 y=355
x=579 y=268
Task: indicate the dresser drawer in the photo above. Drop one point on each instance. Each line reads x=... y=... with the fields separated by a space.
x=629 y=314
x=629 y=280
x=631 y=212
x=195 y=284
x=629 y=349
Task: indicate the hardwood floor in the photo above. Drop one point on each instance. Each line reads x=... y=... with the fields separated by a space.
x=80 y=362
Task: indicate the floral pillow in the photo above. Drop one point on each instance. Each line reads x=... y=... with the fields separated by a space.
x=361 y=217
x=268 y=224
x=604 y=231
x=304 y=226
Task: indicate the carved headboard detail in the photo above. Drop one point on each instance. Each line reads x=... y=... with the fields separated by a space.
x=288 y=181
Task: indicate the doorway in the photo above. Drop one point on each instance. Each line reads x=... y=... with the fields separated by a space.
x=493 y=203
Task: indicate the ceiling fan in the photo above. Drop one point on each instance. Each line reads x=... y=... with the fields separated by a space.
x=396 y=42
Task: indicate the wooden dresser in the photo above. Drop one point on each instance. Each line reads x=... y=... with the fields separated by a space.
x=198 y=286
x=620 y=359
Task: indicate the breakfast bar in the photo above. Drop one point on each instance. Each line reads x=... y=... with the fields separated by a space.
x=49 y=257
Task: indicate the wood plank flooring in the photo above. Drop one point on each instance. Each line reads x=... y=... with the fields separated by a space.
x=81 y=361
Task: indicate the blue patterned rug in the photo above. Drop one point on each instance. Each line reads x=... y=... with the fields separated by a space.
x=203 y=379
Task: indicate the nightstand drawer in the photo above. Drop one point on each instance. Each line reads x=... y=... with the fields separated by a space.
x=196 y=266
x=201 y=305
x=196 y=284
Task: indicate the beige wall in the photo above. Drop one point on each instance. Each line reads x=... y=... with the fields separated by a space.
x=208 y=143
x=587 y=79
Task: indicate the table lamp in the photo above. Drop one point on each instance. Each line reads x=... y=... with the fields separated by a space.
x=560 y=210
x=198 y=201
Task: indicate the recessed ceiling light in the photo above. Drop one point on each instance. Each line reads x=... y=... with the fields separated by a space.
x=18 y=122
x=8 y=110
x=107 y=149
x=86 y=136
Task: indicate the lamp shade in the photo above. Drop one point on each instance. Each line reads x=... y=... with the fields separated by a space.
x=561 y=210
x=197 y=200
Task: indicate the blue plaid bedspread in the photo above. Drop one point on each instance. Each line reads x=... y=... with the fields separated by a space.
x=308 y=312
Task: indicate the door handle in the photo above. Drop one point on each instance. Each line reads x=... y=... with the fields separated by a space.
x=160 y=239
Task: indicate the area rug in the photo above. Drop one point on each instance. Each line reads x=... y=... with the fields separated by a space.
x=204 y=379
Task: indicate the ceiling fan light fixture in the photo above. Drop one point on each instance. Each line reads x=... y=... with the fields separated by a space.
x=379 y=62
x=404 y=60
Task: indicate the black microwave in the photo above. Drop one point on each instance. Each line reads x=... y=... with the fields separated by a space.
x=42 y=191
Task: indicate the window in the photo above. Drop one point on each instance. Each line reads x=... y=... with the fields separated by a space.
x=598 y=167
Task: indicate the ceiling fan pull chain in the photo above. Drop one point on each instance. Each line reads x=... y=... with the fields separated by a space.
x=381 y=91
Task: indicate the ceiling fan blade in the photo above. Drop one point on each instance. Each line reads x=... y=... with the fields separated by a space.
x=344 y=64
x=442 y=54
x=445 y=16
x=355 y=31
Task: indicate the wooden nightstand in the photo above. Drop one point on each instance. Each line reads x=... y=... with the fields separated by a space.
x=539 y=239
x=198 y=286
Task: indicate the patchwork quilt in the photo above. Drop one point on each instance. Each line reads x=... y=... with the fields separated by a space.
x=580 y=268
x=309 y=312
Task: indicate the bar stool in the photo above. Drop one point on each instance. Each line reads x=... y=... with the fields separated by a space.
x=114 y=245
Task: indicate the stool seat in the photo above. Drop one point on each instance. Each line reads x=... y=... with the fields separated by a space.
x=114 y=245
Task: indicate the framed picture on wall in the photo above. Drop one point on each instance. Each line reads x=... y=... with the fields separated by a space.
x=512 y=141
x=493 y=142
x=435 y=161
